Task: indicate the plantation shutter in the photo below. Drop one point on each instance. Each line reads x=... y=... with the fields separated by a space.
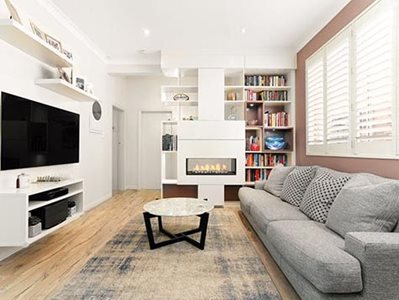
x=315 y=101
x=374 y=80
x=337 y=91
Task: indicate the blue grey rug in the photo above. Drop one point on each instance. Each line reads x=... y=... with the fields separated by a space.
x=125 y=268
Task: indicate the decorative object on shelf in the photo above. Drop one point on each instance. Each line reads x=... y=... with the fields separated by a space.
x=48 y=179
x=89 y=88
x=189 y=118
x=13 y=12
x=181 y=97
x=233 y=113
x=232 y=96
x=275 y=142
x=56 y=44
x=254 y=143
x=23 y=181
x=71 y=208
x=252 y=122
x=67 y=53
x=35 y=226
x=63 y=75
x=96 y=120
x=80 y=82
x=36 y=30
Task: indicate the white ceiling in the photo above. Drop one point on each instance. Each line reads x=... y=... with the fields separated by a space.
x=117 y=27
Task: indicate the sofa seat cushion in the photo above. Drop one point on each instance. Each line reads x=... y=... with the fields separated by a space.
x=249 y=195
x=318 y=254
x=271 y=208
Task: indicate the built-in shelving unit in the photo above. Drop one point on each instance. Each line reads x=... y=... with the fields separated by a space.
x=22 y=38
x=64 y=88
x=268 y=96
x=18 y=207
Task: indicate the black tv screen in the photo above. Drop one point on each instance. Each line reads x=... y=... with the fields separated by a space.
x=35 y=134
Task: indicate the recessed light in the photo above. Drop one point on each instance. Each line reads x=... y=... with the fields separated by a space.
x=243 y=30
x=146 y=31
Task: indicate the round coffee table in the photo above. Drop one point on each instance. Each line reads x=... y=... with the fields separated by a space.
x=177 y=207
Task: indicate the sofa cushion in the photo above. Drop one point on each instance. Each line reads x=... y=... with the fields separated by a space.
x=364 y=206
x=276 y=178
x=296 y=183
x=249 y=195
x=271 y=208
x=318 y=254
x=321 y=194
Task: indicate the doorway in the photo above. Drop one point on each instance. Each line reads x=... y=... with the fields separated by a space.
x=150 y=136
x=118 y=150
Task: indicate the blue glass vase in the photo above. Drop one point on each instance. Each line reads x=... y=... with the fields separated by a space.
x=275 y=142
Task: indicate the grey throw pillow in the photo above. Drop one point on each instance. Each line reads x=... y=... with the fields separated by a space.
x=277 y=176
x=295 y=185
x=365 y=206
x=321 y=194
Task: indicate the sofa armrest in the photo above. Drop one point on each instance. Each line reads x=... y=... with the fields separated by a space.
x=260 y=184
x=378 y=253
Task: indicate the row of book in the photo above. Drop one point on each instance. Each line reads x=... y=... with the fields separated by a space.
x=265 y=160
x=265 y=80
x=276 y=119
x=258 y=174
x=169 y=142
x=251 y=95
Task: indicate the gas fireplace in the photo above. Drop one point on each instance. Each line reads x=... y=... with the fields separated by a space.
x=211 y=166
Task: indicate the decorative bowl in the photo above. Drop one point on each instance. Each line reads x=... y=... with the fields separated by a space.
x=275 y=142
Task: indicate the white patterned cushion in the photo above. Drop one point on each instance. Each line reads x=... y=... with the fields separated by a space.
x=321 y=194
x=295 y=185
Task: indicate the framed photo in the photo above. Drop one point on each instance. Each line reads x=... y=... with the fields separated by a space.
x=80 y=82
x=13 y=12
x=67 y=54
x=64 y=75
x=36 y=30
x=56 y=44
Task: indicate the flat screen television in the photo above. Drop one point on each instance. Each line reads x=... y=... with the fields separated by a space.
x=34 y=134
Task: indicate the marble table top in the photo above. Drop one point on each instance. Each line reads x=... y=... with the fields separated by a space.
x=178 y=207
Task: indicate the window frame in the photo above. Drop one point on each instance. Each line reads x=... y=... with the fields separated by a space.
x=351 y=150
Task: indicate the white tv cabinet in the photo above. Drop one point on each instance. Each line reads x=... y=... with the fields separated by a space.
x=16 y=207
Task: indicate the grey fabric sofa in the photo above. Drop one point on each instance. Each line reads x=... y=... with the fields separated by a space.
x=319 y=263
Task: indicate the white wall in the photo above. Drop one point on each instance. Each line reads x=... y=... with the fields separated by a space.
x=17 y=76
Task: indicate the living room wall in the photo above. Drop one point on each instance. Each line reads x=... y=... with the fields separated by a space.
x=383 y=167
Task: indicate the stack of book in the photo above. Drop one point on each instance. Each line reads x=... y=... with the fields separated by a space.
x=265 y=80
x=252 y=95
x=273 y=160
x=255 y=160
x=254 y=175
x=276 y=119
x=274 y=95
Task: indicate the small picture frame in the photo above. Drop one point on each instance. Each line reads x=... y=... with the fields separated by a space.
x=67 y=54
x=56 y=44
x=36 y=30
x=80 y=82
x=64 y=75
x=13 y=12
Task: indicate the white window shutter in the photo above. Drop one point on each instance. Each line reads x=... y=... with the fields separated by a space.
x=338 y=94
x=374 y=81
x=315 y=101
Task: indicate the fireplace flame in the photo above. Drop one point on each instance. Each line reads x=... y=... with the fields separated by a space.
x=210 y=168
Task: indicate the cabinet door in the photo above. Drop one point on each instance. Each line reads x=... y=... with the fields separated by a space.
x=13 y=220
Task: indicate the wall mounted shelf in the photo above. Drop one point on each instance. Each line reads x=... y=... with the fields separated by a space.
x=64 y=88
x=20 y=37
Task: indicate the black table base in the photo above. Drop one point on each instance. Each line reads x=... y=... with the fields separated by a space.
x=176 y=237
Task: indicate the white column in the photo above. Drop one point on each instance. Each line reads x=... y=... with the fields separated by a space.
x=211 y=94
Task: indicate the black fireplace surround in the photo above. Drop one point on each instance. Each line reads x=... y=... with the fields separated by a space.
x=211 y=166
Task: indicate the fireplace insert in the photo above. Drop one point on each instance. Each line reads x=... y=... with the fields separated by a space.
x=211 y=166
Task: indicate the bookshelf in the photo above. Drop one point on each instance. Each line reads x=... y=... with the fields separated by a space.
x=264 y=98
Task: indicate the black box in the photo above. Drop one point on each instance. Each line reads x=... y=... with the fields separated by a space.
x=53 y=214
x=48 y=195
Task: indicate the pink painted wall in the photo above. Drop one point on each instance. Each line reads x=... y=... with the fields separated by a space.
x=383 y=167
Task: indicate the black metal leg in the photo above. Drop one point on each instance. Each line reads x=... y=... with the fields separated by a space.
x=178 y=237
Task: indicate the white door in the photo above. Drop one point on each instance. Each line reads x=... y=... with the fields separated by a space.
x=150 y=148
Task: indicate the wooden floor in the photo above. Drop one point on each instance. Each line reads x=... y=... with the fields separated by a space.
x=37 y=271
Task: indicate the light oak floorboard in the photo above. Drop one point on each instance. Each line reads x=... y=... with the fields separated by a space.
x=38 y=271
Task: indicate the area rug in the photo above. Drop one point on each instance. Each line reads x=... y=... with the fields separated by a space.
x=125 y=268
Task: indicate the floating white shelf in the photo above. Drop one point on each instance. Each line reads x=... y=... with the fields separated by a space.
x=267 y=88
x=169 y=181
x=64 y=88
x=278 y=127
x=232 y=102
x=169 y=152
x=52 y=229
x=276 y=103
x=188 y=103
x=36 y=204
x=20 y=37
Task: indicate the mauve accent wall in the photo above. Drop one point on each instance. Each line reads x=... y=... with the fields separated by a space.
x=383 y=167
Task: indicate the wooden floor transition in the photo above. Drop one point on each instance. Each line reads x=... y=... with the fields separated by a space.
x=38 y=271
